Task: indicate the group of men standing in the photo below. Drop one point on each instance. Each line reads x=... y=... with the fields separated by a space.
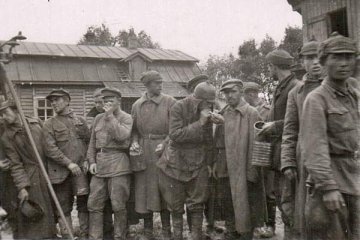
x=192 y=154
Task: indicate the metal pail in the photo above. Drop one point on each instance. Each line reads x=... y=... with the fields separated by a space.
x=262 y=150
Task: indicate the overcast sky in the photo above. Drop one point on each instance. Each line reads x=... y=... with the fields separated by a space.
x=197 y=27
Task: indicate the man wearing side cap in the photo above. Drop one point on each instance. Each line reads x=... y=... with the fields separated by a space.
x=109 y=163
x=184 y=166
x=291 y=164
x=150 y=135
x=245 y=180
x=66 y=137
x=251 y=96
x=26 y=174
x=329 y=141
x=279 y=64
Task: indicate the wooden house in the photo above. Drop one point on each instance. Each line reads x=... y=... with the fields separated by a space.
x=322 y=17
x=37 y=68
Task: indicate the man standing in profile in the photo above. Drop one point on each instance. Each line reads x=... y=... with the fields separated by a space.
x=109 y=163
x=329 y=140
x=150 y=131
x=279 y=64
x=245 y=180
x=66 y=137
x=291 y=163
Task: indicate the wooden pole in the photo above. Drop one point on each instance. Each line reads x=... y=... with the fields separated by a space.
x=3 y=77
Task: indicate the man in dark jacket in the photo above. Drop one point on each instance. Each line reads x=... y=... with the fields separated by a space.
x=26 y=173
x=329 y=141
x=291 y=164
x=184 y=167
x=66 y=137
x=280 y=63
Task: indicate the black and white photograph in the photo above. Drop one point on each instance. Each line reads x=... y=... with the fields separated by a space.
x=180 y=119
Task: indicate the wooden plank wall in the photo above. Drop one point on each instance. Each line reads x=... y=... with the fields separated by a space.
x=314 y=14
x=81 y=97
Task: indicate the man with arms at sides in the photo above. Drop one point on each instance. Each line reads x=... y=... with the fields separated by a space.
x=150 y=131
x=66 y=137
x=26 y=173
x=279 y=64
x=109 y=163
x=291 y=163
x=329 y=141
x=245 y=179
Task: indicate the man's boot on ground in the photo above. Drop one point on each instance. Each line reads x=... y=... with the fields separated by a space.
x=64 y=233
x=148 y=226
x=120 y=225
x=108 y=229
x=196 y=222
x=177 y=222
x=165 y=225
x=84 y=225
x=96 y=225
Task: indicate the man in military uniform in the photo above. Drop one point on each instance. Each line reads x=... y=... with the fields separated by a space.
x=279 y=64
x=66 y=137
x=184 y=167
x=109 y=163
x=329 y=140
x=150 y=136
x=26 y=173
x=291 y=164
x=108 y=229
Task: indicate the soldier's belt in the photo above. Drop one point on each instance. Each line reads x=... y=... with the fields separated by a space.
x=354 y=154
x=154 y=136
x=110 y=150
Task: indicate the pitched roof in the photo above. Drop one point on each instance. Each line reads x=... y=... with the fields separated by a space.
x=103 y=52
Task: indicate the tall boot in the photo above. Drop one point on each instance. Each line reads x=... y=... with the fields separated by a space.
x=196 y=221
x=108 y=228
x=177 y=222
x=148 y=226
x=96 y=225
x=84 y=225
x=165 y=224
x=120 y=225
x=64 y=233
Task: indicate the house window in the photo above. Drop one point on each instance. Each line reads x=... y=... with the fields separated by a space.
x=43 y=109
x=338 y=22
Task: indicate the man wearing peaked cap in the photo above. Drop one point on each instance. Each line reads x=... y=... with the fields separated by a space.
x=330 y=145
x=110 y=165
x=184 y=167
x=245 y=179
x=279 y=65
x=150 y=135
x=66 y=141
x=291 y=161
x=58 y=93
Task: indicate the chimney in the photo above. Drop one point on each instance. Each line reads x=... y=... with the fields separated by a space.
x=133 y=42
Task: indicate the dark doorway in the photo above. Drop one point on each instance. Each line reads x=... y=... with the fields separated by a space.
x=338 y=22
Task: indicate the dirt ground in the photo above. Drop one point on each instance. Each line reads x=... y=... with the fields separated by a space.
x=136 y=229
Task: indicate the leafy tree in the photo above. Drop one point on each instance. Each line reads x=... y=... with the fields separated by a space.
x=293 y=40
x=101 y=36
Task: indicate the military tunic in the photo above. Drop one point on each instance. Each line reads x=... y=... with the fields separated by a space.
x=110 y=140
x=329 y=141
x=26 y=173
